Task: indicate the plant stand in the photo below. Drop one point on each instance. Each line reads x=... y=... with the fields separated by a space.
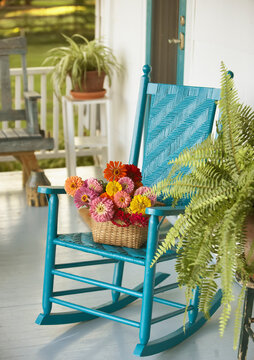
x=92 y=145
x=247 y=320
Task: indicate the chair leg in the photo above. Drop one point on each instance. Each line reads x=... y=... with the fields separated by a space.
x=148 y=291
x=117 y=279
x=246 y=320
x=49 y=257
x=192 y=314
x=29 y=163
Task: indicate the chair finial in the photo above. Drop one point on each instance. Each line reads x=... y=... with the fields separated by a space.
x=146 y=69
x=231 y=74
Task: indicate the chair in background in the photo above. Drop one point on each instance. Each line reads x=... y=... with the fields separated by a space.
x=170 y=118
x=19 y=142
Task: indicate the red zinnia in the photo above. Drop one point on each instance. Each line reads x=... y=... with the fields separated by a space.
x=114 y=171
x=139 y=220
x=134 y=173
x=121 y=219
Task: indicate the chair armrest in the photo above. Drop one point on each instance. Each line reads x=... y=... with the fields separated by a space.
x=51 y=190
x=31 y=95
x=165 y=210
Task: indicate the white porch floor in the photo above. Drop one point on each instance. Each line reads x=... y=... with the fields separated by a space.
x=22 y=244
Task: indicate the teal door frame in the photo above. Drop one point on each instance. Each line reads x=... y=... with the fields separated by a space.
x=181 y=28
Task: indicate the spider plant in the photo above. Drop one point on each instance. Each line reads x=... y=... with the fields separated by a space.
x=79 y=57
x=220 y=189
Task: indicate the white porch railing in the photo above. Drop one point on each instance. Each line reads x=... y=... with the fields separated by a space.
x=42 y=73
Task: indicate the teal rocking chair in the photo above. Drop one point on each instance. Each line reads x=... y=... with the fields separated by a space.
x=169 y=118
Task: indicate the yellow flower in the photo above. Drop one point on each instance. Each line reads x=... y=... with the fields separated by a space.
x=139 y=204
x=113 y=187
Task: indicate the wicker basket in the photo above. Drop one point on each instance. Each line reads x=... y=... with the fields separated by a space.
x=110 y=234
x=85 y=215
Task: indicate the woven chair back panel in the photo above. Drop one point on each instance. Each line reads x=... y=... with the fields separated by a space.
x=179 y=118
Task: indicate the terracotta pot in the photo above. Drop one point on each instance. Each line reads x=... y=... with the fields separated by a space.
x=91 y=86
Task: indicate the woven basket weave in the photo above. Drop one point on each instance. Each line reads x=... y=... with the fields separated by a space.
x=110 y=234
x=85 y=215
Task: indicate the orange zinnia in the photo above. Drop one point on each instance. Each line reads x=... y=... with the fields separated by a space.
x=105 y=195
x=72 y=184
x=114 y=171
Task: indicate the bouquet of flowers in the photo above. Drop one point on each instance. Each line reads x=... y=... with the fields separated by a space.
x=121 y=200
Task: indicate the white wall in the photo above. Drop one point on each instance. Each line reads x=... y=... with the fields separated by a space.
x=123 y=26
x=218 y=30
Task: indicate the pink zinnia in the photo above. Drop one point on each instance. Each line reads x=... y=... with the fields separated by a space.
x=84 y=196
x=145 y=190
x=102 y=209
x=127 y=184
x=122 y=199
x=95 y=185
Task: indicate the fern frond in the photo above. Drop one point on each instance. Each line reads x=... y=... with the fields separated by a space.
x=238 y=317
x=197 y=156
x=207 y=291
x=217 y=177
x=170 y=240
x=231 y=133
x=246 y=116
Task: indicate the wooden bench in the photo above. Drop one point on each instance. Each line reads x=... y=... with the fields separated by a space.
x=19 y=142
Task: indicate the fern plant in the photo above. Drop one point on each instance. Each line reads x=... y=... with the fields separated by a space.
x=80 y=56
x=220 y=186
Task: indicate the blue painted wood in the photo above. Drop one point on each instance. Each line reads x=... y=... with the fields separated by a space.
x=50 y=253
x=117 y=279
x=77 y=291
x=169 y=315
x=169 y=303
x=147 y=301
x=51 y=190
x=97 y=283
x=77 y=316
x=165 y=210
x=178 y=336
x=139 y=119
x=166 y=287
x=194 y=301
x=84 y=242
x=95 y=312
x=178 y=117
x=180 y=53
x=85 y=263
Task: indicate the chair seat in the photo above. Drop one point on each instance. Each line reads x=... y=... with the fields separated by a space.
x=18 y=140
x=84 y=242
